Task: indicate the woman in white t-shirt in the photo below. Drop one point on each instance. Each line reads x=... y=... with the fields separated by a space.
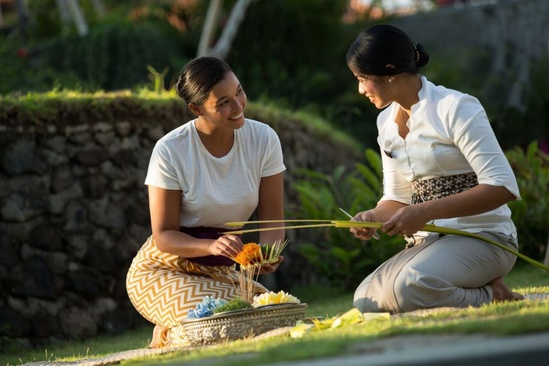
x=217 y=168
x=442 y=165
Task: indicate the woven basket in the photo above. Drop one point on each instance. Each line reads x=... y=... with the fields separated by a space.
x=239 y=324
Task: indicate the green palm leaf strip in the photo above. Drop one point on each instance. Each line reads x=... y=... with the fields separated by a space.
x=444 y=230
x=240 y=232
x=376 y=225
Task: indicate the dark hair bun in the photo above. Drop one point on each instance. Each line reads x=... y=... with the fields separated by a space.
x=422 y=55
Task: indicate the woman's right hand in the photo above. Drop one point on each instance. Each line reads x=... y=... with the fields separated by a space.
x=364 y=233
x=227 y=245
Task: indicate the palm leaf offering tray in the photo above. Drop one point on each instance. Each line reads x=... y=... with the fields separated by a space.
x=240 y=324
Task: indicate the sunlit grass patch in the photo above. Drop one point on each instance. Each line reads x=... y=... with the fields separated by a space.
x=496 y=319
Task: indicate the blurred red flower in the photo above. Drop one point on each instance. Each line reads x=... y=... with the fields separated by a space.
x=22 y=53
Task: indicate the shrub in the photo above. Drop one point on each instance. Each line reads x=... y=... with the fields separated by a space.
x=335 y=255
x=115 y=55
x=531 y=167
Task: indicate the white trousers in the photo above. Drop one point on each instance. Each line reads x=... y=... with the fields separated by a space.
x=438 y=271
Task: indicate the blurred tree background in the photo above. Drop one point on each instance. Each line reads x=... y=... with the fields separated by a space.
x=288 y=52
x=285 y=51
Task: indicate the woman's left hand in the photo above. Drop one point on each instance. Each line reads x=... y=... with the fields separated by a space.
x=270 y=267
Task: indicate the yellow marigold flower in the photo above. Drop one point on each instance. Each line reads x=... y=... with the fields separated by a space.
x=250 y=255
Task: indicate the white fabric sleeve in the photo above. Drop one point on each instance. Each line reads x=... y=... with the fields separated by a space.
x=273 y=159
x=161 y=171
x=471 y=132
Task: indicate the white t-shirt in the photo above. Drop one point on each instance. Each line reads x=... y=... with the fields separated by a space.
x=215 y=190
x=449 y=134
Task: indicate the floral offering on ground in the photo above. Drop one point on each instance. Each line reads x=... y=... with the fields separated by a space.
x=251 y=258
x=210 y=306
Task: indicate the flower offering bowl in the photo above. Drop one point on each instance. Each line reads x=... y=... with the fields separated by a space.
x=240 y=324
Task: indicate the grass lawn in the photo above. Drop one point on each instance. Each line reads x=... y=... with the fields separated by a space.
x=497 y=319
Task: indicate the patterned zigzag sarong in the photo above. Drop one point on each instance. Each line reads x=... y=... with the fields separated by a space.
x=164 y=287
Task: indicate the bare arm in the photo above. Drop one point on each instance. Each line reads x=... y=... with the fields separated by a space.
x=401 y=219
x=271 y=206
x=477 y=200
x=165 y=206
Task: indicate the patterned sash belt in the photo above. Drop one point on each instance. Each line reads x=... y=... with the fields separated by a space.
x=436 y=188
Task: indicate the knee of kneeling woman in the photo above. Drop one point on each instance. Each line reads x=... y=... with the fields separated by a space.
x=406 y=294
x=415 y=290
x=366 y=305
x=364 y=300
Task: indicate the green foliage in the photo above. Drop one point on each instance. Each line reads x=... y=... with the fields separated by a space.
x=232 y=305
x=335 y=254
x=61 y=107
x=470 y=73
x=47 y=22
x=293 y=52
x=19 y=71
x=157 y=78
x=115 y=55
x=519 y=126
x=531 y=167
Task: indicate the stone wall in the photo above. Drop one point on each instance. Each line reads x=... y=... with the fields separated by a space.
x=74 y=212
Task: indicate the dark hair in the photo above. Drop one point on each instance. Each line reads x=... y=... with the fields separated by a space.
x=198 y=77
x=382 y=45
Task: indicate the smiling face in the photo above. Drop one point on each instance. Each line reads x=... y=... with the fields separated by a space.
x=224 y=107
x=375 y=88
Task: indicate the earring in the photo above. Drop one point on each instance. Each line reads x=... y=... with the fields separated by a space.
x=390 y=80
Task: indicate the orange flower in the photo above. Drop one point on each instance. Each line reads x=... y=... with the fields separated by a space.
x=250 y=255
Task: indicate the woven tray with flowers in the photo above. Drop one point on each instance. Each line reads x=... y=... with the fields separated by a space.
x=240 y=324
x=248 y=315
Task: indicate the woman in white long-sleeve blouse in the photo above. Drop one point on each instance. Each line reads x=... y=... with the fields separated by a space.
x=442 y=165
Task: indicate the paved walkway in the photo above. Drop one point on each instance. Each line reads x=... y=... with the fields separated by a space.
x=447 y=350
